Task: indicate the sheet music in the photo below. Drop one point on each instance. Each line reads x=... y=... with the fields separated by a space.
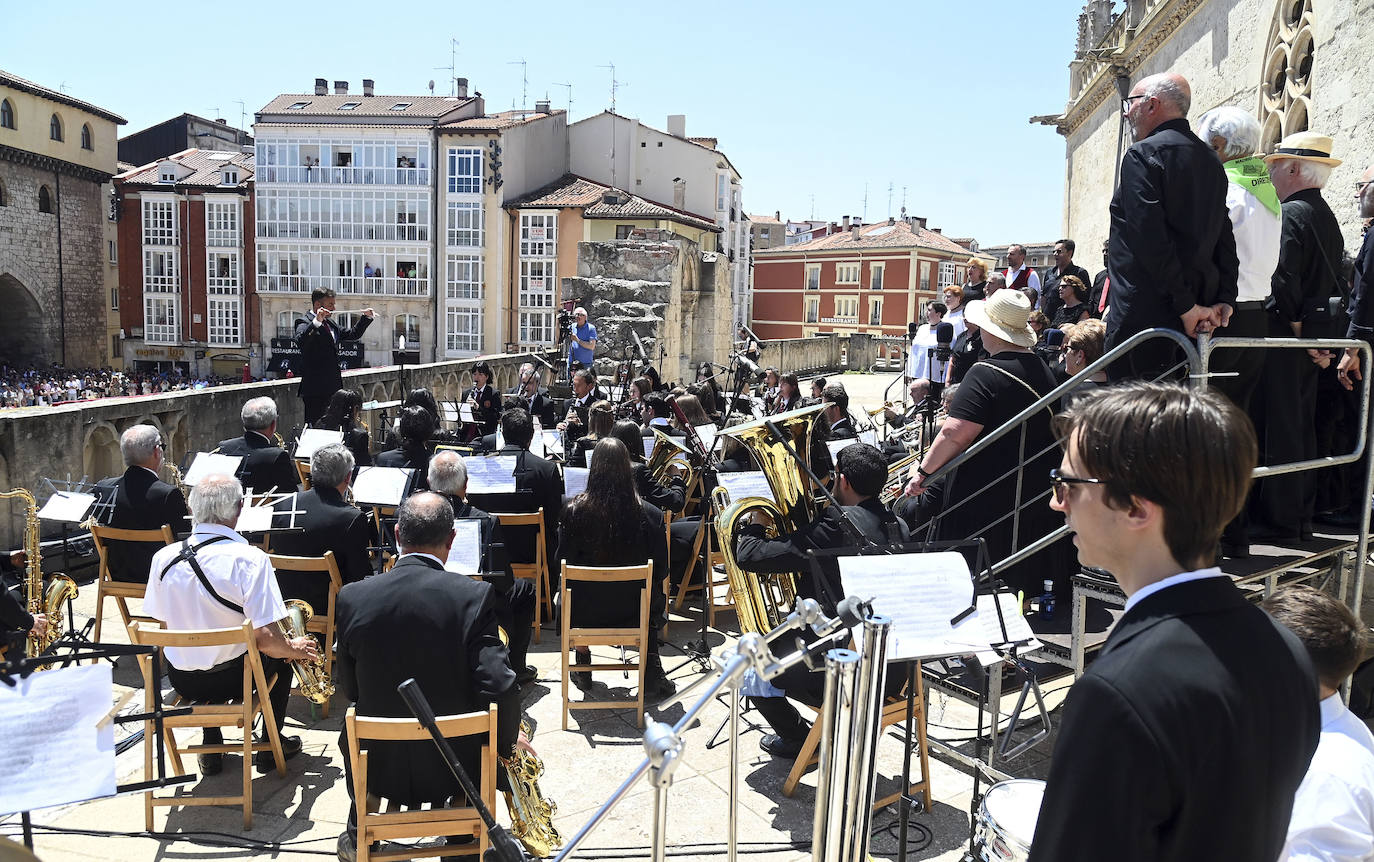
x=835 y=446
x=553 y=442
x=380 y=405
x=707 y=433
x=574 y=481
x=494 y=474
x=450 y=412
x=313 y=439
x=254 y=519
x=54 y=753
x=207 y=464
x=921 y=593
x=869 y=436
x=465 y=557
x=649 y=444
x=984 y=628
x=465 y=412
x=381 y=486
x=749 y=483
x=67 y=506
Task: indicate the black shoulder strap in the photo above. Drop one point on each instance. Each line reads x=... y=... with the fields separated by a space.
x=188 y=555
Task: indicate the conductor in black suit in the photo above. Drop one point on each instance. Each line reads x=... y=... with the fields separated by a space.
x=318 y=339
x=330 y=524
x=1200 y=706
x=142 y=501
x=265 y=465
x=421 y=621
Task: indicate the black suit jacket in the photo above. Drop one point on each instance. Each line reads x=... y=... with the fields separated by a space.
x=541 y=479
x=330 y=525
x=1362 y=292
x=1171 y=244
x=265 y=465
x=142 y=501
x=1205 y=711
x=318 y=364
x=420 y=621
x=671 y=497
x=1304 y=273
x=540 y=405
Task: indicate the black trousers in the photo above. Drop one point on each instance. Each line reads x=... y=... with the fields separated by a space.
x=1284 y=504
x=314 y=406
x=1238 y=373
x=807 y=686
x=515 y=613
x=224 y=682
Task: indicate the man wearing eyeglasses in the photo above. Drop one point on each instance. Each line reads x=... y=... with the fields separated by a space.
x=142 y=501
x=1199 y=701
x=1171 y=256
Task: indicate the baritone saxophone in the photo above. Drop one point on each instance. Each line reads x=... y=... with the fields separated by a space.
x=531 y=814
x=40 y=599
x=314 y=682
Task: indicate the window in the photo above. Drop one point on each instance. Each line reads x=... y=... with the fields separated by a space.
x=114 y=299
x=348 y=106
x=55 y=128
x=159 y=319
x=160 y=272
x=925 y=276
x=875 y=312
x=813 y=276
x=537 y=234
x=764 y=233
x=159 y=222
x=875 y=276
x=464 y=329
x=296 y=106
x=114 y=345
x=406 y=326
x=813 y=309
x=722 y=192
x=463 y=312
x=948 y=273
x=229 y=177
x=465 y=224
x=222 y=272
x=465 y=171
x=225 y=316
x=114 y=250
x=221 y=223
x=343 y=158
x=623 y=231
x=847 y=273
x=86 y=143
x=399 y=106
x=44 y=200
x=286 y=323
x=465 y=276
x=167 y=173
x=4 y=199
x=6 y=114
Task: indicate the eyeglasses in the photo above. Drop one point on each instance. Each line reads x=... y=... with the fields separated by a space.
x=161 y=445
x=1359 y=187
x=1126 y=102
x=1060 y=482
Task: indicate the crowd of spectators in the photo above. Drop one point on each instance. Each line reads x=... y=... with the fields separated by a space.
x=53 y=384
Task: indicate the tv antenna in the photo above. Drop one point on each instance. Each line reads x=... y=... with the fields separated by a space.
x=524 y=80
x=452 y=68
x=863 y=219
x=243 y=114
x=569 y=86
x=889 y=198
x=615 y=85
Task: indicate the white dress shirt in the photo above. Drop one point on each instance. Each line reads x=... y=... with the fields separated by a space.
x=1333 y=812
x=1257 y=233
x=238 y=571
x=918 y=362
x=1033 y=280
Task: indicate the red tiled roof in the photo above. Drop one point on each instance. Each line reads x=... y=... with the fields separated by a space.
x=571 y=190
x=496 y=122
x=708 y=143
x=880 y=235
x=205 y=166
x=764 y=219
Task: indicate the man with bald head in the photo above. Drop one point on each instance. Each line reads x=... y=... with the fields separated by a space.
x=1171 y=255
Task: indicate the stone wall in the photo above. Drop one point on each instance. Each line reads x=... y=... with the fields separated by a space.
x=814 y=354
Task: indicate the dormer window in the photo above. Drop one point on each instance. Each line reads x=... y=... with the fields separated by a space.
x=167 y=173
x=296 y=106
x=348 y=106
x=400 y=106
x=229 y=177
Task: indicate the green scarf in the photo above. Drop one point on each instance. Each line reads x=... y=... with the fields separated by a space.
x=1252 y=174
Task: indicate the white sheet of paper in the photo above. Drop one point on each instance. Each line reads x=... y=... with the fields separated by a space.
x=465 y=557
x=869 y=436
x=750 y=483
x=315 y=438
x=574 y=481
x=707 y=433
x=500 y=438
x=381 y=486
x=465 y=412
x=54 y=753
x=553 y=442
x=254 y=519
x=206 y=464
x=984 y=628
x=588 y=456
x=67 y=506
x=449 y=411
x=921 y=593
x=493 y=474
x=537 y=443
x=649 y=444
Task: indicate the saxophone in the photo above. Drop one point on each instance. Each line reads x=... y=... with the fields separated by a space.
x=531 y=815
x=178 y=480
x=48 y=602
x=314 y=682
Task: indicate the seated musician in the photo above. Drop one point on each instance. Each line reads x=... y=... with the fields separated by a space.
x=861 y=474
x=817 y=387
x=142 y=501
x=656 y=413
x=611 y=525
x=16 y=623
x=789 y=394
x=414 y=444
x=692 y=409
x=769 y=391
x=329 y=523
x=670 y=496
x=266 y=466
x=530 y=394
x=422 y=397
x=419 y=621
x=514 y=598
x=214 y=580
x=484 y=403
x=344 y=413
x=600 y=418
x=640 y=388
x=836 y=413
x=541 y=480
x=585 y=394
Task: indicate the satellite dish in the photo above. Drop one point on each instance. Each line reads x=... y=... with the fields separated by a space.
x=431 y=86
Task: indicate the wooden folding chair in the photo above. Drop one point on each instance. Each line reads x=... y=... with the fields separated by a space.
x=322 y=621
x=303 y=470
x=431 y=823
x=120 y=591
x=539 y=569
x=240 y=713
x=636 y=638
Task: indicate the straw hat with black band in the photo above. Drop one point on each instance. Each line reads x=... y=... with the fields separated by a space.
x=1003 y=315
x=1306 y=147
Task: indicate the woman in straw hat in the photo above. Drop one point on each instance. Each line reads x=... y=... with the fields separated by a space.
x=980 y=497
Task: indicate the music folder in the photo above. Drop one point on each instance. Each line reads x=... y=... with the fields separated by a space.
x=313 y=439
x=381 y=486
x=68 y=506
x=207 y=464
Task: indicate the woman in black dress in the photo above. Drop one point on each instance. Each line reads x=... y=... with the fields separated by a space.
x=976 y=286
x=1075 y=308
x=344 y=413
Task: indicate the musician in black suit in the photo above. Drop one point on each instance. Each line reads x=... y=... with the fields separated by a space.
x=265 y=465
x=836 y=413
x=585 y=394
x=420 y=621
x=515 y=608
x=16 y=623
x=482 y=399
x=318 y=340
x=142 y=501
x=656 y=413
x=413 y=447
x=1202 y=705
x=330 y=524
x=533 y=397
x=345 y=415
x=543 y=483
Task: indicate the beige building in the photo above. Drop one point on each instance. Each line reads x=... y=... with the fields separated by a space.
x=57 y=237
x=767 y=231
x=1297 y=64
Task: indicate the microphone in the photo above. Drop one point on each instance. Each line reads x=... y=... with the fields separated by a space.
x=750 y=365
x=944 y=338
x=639 y=345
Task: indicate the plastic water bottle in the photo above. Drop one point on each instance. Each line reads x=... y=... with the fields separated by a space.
x=1047 y=601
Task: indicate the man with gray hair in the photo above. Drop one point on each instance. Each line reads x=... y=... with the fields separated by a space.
x=142 y=501
x=266 y=466
x=216 y=580
x=330 y=523
x=1171 y=257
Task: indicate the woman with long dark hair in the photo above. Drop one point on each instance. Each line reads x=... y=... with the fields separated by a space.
x=789 y=394
x=600 y=419
x=609 y=524
x=671 y=496
x=344 y=413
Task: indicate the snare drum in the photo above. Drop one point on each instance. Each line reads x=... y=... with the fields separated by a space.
x=1006 y=820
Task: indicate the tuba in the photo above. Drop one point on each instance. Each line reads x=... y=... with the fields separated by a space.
x=531 y=814
x=60 y=588
x=763 y=600
x=314 y=682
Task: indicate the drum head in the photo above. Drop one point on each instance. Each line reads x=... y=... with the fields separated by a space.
x=1013 y=806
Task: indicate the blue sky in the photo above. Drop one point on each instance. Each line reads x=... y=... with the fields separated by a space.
x=807 y=99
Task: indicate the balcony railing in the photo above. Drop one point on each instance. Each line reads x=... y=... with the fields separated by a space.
x=329 y=175
x=344 y=230
x=355 y=285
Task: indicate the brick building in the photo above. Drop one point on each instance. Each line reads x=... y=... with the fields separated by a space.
x=185 y=251
x=870 y=278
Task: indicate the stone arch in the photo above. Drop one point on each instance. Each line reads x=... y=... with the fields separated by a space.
x=100 y=456
x=23 y=328
x=177 y=435
x=1285 y=90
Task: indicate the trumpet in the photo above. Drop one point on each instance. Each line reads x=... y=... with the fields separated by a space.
x=314 y=682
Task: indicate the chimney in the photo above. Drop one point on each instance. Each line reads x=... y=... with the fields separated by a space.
x=321 y=87
x=938 y=229
x=921 y=222
x=777 y=215
x=462 y=87
x=854 y=232
x=677 y=125
x=891 y=220
x=368 y=87
x=845 y=222
x=221 y=122
x=541 y=106
x=679 y=193
x=341 y=88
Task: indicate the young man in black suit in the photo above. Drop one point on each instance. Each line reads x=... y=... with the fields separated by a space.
x=541 y=479
x=265 y=464
x=330 y=524
x=142 y=501
x=420 y=621
x=318 y=339
x=1200 y=706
